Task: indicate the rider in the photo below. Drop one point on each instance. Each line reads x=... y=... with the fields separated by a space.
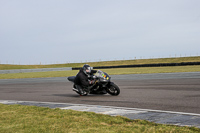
x=82 y=79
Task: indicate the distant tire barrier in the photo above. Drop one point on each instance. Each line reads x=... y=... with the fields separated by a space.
x=145 y=65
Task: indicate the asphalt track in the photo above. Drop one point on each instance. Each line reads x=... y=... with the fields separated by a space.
x=179 y=92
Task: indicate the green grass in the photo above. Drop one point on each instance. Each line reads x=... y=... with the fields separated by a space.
x=106 y=63
x=32 y=119
x=116 y=71
x=139 y=70
x=148 y=70
x=39 y=74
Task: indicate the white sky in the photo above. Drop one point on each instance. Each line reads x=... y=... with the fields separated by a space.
x=62 y=31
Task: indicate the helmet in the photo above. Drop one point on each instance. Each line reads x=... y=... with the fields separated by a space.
x=87 y=69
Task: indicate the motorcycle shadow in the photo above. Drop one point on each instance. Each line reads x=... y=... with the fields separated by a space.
x=66 y=95
x=76 y=95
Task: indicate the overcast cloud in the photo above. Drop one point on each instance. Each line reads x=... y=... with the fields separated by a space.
x=61 y=31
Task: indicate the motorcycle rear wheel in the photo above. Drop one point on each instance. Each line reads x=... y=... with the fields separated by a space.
x=113 y=89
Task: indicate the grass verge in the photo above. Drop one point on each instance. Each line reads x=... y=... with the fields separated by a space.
x=116 y=71
x=32 y=119
x=106 y=63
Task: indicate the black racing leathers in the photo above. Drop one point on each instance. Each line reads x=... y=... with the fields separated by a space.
x=82 y=79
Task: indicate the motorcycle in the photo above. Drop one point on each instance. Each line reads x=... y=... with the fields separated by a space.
x=102 y=85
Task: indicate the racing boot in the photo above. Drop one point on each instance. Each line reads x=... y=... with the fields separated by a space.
x=80 y=90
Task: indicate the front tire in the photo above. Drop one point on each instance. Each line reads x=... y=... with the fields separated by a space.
x=113 y=89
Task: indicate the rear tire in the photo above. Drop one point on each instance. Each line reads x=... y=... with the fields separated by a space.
x=113 y=89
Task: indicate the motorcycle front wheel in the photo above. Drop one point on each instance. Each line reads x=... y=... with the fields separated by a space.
x=113 y=89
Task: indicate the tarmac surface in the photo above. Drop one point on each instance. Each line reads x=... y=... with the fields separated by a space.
x=169 y=98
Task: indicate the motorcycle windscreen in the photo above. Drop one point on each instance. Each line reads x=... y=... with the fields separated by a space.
x=104 y=77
